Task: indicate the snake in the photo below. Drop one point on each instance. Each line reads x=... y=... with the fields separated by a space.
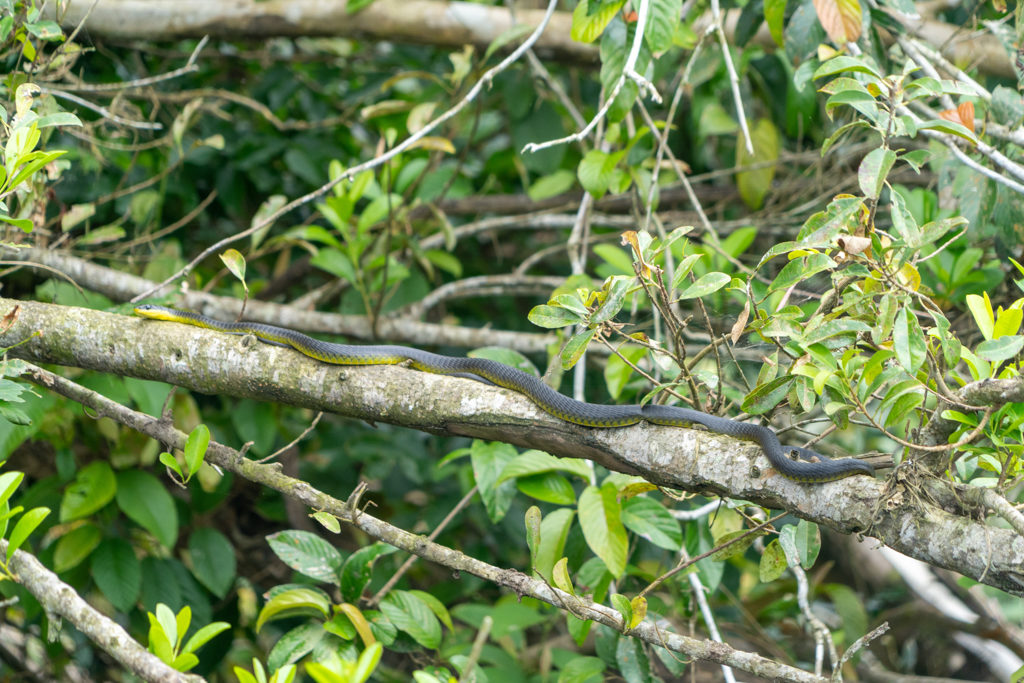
x=793 y=462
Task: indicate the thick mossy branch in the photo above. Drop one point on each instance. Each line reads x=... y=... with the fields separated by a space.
x=687 y=459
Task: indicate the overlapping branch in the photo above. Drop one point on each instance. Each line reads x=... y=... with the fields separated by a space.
x=60 y=599
x=350 y=512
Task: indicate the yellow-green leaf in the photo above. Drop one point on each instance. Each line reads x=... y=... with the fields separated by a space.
x=755 y=183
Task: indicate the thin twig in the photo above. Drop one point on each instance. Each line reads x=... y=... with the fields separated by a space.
x=411 y=560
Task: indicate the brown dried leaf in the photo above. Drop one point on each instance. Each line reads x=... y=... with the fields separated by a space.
x=740 y=324
x=8 y=320
x=853 y=244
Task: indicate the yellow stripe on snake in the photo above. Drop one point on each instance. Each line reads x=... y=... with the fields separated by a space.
x=812 y=467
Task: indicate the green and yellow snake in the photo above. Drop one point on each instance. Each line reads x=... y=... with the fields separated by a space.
x=811 y=467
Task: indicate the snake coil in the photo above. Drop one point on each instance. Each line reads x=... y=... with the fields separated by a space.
x=811 y=467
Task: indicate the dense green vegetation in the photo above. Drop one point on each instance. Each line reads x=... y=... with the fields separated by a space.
x=818 y=230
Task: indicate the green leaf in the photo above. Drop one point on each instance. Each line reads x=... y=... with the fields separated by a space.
x=195 y=448
x=76 y=214
x=75 y=546
x=615 y=290
x=244 y=676
x=860 y=100
x=623 y=606
x=600 y=519
x=647 y=518
x=159 y=642
x=773 y=562
x=25 y=525
x=294 y=602
x=981 y=309
x=774 y=17
x=358 y=570
x=537 y=462
x=575 y=347
x=336 y=263
x=15 y=416
x=632 y=659
x=737 y=548
x=581 y=669
x=60 y=118
x=662 y=23
x=874 y=169
x=1008 y=323
x=800 y=268
x=944 y=126
x=185 y=661
x=552 y=317
x=683 y=269
x=532 y=520
x=908 y=341
x=181 y=622
x=767 y=396
x=410 y=614
x=998 y=350
x=596 y=170
x=235 y=262
x=807 y=537
x=844 y=63
x=436 y=606
x=551 y=185
x=39 y=159
x=327 y=521
x=213 y=560
x=300 y=641
x=205 y=635
x=171 y=463
x=143 y=498
x=9 y=482
x=489 y=459
x=590 y=18
x=755 y=183
x=94 y=486
x=308 y=554
x=850 y=610
x=548 y=487
x=560 y=576
x=23 y=224
x=367 y=663
x=617 y=371
x=117 y=572
x=554 y=531
x=617 y=260
x=447 y=262
x=706 y=284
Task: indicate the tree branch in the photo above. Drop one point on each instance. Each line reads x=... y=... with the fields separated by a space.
x=348 y=511
x=58 y=598
x=688 y=459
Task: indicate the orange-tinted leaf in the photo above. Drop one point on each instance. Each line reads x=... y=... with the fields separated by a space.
x=963 y=114
x=841 y=19
x=966 y=111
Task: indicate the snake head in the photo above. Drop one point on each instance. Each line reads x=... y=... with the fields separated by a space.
x=154 y=312
x=806 y=454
